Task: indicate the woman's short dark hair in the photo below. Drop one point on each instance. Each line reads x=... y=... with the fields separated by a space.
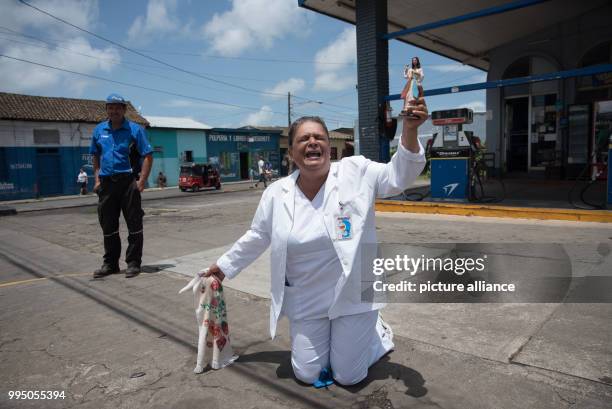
x=298 y=122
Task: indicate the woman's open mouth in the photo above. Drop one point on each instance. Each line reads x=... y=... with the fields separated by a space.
x=313 y=155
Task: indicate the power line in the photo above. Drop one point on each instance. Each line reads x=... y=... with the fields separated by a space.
x=61 y=41
x=323 y=116
x=137 y=86
x=128 y=64
x=323 y=102
x=145 y=55
x=152 y=58
x=47 y=45
x=119 y=62
x=341 y=95
x=274 y=60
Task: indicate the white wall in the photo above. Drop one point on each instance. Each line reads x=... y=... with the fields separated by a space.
x=21 y=133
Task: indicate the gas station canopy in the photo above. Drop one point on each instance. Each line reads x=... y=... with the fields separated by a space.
x=472 y=28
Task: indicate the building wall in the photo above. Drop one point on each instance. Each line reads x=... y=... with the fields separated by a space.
x=192 y=140
x=562 y=46
x=165 y=157
x=169 y=146
x=29 y=169
x=340 y=145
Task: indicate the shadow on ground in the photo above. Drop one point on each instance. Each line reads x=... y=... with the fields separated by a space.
x=382 y=370
x=156 y=268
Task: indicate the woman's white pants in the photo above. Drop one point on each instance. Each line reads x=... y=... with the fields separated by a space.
x=349 y=344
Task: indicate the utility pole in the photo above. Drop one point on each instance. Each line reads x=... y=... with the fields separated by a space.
x=289 y=109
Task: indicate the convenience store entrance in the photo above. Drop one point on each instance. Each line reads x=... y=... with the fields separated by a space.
x=533 y=144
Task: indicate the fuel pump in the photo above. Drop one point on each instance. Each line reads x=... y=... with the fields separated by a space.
x=453 y=156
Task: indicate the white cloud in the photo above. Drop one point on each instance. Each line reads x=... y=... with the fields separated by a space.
x=197 y=105
x=255 y=24
x=83 y=13
x=334 y=64
x=292 y=85
x=261 y=117
x=160 y=19
x=182 y=103
x=476 y=106
x=482 y=77
x=18 y=76
x=451 y=68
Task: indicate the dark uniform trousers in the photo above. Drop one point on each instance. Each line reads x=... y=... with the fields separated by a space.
x=119 y=193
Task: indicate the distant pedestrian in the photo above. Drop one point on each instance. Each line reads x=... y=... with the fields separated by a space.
x=161 y=180
x=284 y=166
x=251 y=176
x=262 y=172
x=268 y=171
x=82 y=181
x=116 y=186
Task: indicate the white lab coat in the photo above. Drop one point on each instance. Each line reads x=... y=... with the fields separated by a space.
x=354 y=182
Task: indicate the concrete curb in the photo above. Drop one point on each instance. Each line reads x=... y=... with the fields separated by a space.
x=60 y=202
x=462 y=209
x=7 y=211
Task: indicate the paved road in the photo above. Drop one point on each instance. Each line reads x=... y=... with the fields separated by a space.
x=60 y=330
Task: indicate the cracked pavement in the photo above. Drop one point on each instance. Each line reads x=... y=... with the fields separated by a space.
x=60 y=330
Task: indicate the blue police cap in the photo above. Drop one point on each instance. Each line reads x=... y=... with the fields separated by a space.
x=116 y=99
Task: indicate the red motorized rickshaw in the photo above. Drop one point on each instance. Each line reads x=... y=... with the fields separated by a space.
x=196 y=176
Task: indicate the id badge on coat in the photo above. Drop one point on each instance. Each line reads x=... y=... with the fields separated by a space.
x=344 y=228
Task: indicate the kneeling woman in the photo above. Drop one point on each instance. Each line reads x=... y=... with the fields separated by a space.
x=319 y=221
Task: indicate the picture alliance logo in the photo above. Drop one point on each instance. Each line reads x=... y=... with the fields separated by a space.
x=448 y=189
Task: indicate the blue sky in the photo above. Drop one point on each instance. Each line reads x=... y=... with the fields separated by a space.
x=251 y=53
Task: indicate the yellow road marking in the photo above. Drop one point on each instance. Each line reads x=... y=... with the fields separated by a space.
x=32 y=280
x=461 y=209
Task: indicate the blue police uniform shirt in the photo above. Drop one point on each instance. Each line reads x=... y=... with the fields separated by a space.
x=113 y=146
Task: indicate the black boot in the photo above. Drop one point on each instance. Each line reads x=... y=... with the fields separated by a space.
x=106 y=270
x=132 y=271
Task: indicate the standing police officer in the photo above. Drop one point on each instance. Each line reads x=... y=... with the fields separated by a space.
x=116 y=185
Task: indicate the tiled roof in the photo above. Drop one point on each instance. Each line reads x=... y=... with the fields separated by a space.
x=54 y=109
x=347 y=131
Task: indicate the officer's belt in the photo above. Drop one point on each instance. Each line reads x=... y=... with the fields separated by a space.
x=117 y=177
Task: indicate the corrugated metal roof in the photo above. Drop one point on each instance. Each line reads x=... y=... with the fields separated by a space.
x=175 y=122
x=55 y=109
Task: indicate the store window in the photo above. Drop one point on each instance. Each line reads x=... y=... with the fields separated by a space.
x=543 y=130
x=228 y=164
x=188 y=156
x=46 y=137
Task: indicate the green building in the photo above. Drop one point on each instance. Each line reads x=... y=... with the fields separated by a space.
x=175 y=141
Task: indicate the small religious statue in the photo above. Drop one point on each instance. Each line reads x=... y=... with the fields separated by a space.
x=414 y=87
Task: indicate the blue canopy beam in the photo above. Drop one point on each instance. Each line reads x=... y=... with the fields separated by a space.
x=466 y=17
x=578 y=72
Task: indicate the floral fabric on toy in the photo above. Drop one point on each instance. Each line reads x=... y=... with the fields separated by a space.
x=214 y=346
